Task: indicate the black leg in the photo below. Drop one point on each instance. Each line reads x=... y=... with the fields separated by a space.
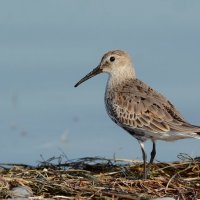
x=144 y=157
x=153 y=152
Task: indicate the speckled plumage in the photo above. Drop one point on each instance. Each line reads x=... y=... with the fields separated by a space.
x=136 y=107
x=145 y=113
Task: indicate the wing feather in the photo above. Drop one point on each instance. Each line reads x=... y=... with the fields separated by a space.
x=136 y=105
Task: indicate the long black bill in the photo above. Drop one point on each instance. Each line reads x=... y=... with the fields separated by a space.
x=94 y=72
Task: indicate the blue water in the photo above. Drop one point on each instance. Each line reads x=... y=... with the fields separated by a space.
x=47 y=46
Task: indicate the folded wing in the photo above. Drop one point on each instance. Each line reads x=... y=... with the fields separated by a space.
x=136 y=105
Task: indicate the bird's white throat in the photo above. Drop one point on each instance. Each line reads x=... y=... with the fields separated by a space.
x=120 y=75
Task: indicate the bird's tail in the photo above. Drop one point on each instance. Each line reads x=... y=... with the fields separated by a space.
x=195 y=135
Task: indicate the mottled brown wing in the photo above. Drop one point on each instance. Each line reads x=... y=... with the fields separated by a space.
x=136 y=105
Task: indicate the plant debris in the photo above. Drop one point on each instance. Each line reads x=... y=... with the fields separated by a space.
x=101 y=178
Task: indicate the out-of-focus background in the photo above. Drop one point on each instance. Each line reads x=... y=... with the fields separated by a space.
x=47 y=46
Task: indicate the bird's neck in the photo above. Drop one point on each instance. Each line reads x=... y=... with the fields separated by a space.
x=120 y=77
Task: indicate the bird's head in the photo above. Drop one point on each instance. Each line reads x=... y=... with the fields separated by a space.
x=116 y=63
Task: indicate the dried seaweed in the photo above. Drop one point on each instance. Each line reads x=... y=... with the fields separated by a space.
x=100 y=178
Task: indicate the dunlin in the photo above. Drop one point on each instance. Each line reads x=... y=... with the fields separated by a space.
x=138 y=108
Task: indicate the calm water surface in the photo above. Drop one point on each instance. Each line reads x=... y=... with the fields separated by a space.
x=43 y=55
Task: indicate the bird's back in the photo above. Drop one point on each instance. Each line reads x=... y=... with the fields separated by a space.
x=135 y=106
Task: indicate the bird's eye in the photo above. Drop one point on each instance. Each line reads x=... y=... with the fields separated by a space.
x=112 y=59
